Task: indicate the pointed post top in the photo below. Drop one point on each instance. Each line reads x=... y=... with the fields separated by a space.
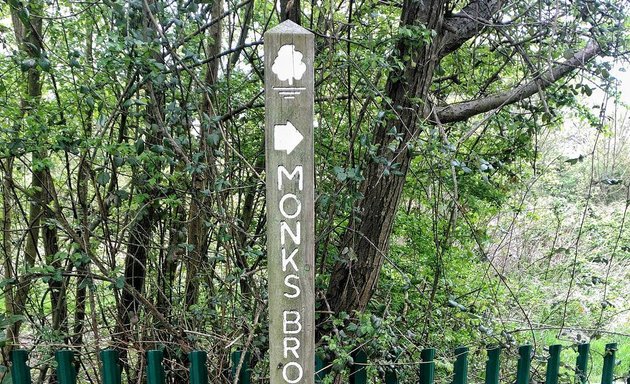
x=288 y=27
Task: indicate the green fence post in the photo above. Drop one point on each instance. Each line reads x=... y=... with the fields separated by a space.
x=198 y=367
x=20 y=372
x=358 y=373
x=245 y=374
x=111 y=367
x=391 y=377
x=524 y=364
x=609 y=363
x=581 y=363
x=65 y=371
x=493 y=365
x=321 y=370
x=461 y=366
x=553 y=364
x=155 y=370
x=427 y=366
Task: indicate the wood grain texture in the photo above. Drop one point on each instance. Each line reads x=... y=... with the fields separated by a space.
x=296 y=108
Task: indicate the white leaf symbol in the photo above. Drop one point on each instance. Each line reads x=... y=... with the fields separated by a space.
x=288 y=64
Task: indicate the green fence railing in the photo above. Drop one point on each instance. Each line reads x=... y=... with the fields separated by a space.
x=155 y=371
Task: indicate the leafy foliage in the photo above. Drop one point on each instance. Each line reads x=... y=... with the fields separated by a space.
x=132 y=156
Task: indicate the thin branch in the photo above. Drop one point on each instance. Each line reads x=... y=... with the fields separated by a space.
x=467 y=109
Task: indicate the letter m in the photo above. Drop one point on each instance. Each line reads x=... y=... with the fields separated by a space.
x=297 y=171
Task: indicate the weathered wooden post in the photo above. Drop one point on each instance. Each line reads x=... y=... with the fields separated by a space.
x=289 y=52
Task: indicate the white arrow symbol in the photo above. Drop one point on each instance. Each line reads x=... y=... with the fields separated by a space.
x=286 y=137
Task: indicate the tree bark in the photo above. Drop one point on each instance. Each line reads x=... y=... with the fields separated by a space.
x=290 y=10
x=56 y=285
x=83 y=178
x=8 y=293
x=141 y=231
x=28 y=33
x=365 y=243
x=203 y=180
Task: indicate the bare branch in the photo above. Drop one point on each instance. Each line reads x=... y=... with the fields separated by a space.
x=464 y=110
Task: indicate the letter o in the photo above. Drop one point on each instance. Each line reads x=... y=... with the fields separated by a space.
x=300 y=372
x=297 y=202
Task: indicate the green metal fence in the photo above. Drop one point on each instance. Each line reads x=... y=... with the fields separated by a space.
x=111 y=368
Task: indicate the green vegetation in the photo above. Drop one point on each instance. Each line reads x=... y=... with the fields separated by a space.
x=471 y=182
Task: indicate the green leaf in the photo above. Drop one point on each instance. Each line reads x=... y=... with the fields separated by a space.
x=340 y=173
x=103 y=178
x=139 y=146
x=156 y=148
x=44 y=64
x=27 y=64
x=119 y=282
x=119 y=160
x=213 y=138
x=89 y=101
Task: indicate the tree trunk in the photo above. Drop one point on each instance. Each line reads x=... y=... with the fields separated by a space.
x=290 y=10
x=28 y=36
x=199 y=203
x=8 y=293
x=141 y=230
x=366 y=241
x=57 y=284
x=83 y=179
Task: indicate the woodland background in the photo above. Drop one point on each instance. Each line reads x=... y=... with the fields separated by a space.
x=471 y=180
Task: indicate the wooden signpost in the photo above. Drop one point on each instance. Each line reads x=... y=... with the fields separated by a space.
x=289 y=52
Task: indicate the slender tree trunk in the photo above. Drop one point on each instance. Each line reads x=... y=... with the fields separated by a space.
x=83 y=179
x=366 y=241
x=199 y=203
x=247 y=19
x=290 y=10
x=142 y=229
x=57 y=284
x=8 y=293
x=28 y=37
